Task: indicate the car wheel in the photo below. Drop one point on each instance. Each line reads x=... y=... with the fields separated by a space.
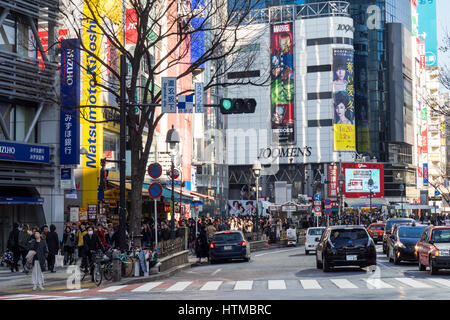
x=433 y=269
x=325 y=265
x=421 y=266
x=319 y=265
x=306 y=252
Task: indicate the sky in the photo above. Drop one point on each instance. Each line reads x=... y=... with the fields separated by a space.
x=443 y=26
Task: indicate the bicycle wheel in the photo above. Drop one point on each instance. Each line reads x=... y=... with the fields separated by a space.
x=97 y=274
x=108 y=271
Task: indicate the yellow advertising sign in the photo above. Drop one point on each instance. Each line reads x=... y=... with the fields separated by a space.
x=344 y=137
x=92 y=131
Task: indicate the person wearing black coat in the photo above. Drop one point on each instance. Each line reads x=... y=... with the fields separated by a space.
x=40 y=247
x=92 y=243
x=201 y=245
x=146 y=236
x=13 y=245
x=52 y=240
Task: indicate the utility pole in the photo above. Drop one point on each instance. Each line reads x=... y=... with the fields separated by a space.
x=122 y=156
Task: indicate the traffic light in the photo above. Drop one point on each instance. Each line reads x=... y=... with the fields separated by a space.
x=235 y=106
x=103 y=175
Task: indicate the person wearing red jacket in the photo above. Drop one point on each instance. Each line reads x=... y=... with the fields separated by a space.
x=101 y=233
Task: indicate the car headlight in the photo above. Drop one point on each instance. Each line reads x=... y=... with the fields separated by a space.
x=435 y=252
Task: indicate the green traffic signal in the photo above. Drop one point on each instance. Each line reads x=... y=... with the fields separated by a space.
x=235 y=106
x=226 y=105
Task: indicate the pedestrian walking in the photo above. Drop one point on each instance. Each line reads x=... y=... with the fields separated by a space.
x=81 y=252
x=13 y=246
x=68 y=245
x=24 y=239
x=39 y=247
x=53 y=247
x=201 y=245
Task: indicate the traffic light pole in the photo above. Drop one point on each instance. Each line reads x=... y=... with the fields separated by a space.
x=122 y=155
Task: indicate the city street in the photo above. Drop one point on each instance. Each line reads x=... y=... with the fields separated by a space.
x=276 y=274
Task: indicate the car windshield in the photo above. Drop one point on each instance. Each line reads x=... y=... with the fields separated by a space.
x=441 y=236
x=315 y=232
x=411 y=232
x=377 y=227
x=348 y=236
x=232 y=236
x=390 y=223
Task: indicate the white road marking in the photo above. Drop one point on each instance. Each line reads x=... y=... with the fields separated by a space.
x=243 y=285
x=92 y=299
x=444 y=282
x=378 y=284
x=35 y=297
x=15 y=296
x=276 y=285
x=413 y=283
x=215 y=272
x=179 y=286
x=146 y=287
x=343 y=284
x=211 y=285
x=280 y=251
x=76 y=291
x=112 y=289
x=310 y=284
x=60 y=298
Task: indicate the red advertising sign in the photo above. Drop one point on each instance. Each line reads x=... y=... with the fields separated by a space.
x=332 y=180
x=422 y=62
x=131 y=33
x=425 y=141
x=357 y=176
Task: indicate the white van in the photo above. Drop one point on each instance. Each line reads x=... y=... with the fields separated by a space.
x=313 y=236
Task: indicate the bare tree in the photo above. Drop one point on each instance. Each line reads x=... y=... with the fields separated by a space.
x=171 y=26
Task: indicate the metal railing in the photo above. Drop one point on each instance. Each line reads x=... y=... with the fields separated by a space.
x=170 y=247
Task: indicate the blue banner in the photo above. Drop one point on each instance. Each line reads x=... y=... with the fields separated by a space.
x=21 y=152
x=70 y=97
x=198 y=37
x=425 y=174
x=428 y=25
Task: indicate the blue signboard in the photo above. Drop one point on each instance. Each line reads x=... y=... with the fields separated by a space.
x=21 y=152
x=70 y=97
x=198 y=37
x=425 y=174
x=428 y=25
x=318 y=197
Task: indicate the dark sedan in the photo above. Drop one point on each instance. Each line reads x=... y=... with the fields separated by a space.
x=228 y=245
x=345 y=246
x=403 y=242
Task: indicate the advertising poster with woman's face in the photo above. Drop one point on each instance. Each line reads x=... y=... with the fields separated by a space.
x=282 y=81
x=343 y=100
x=241 y=207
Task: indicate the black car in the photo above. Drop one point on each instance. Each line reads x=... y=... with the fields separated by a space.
x=387 y=230
x=229 y=245
x=402 y=242
x=345 y=246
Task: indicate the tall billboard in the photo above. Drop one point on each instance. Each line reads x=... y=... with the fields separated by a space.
x=428 y=25
x=343 y=100
x=282 y=81
x=357 y=176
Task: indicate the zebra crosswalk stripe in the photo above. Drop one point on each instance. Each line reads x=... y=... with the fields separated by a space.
x=343 y=284
x=179 y=286
x=413 y=283
x=147 y=287
x=243 y=285
x=276 y=285
x=444 y=282
x=310 y=284
x=76 y=291
x=211 y=285
x=378 y=284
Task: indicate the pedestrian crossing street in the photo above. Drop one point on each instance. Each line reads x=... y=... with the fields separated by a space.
x=273 y=285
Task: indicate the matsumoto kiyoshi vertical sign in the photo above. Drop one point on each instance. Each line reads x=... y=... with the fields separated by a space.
x=69 y=132
x=282 y=81
x=343 y=100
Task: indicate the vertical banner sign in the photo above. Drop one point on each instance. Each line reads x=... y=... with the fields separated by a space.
x=69 y=125
x=362 y=105
x=169 y=95
x=425 y=174
x=428 y=25
x=199 y=103
x=282 y=81
x=332 y=180
x=131 y=33
x=198 y=37
x=343 y=100
x=92 y=130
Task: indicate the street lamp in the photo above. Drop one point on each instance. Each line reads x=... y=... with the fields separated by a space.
x=257 y=172
x=402 y=189
x=370 y=195
x=172 y=138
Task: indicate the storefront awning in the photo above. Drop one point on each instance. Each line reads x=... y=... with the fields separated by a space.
x=411 y=206
x=366 y=203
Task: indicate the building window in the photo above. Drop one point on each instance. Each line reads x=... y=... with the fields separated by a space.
x=319 y=95
x=243 y=74
x=111 y=148
x=323 y=68
x=324 y=41
x=18 y=119
x=320 y=123
x=16 y=36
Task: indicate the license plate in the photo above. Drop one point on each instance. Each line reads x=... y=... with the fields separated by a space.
x=352 y=258
x=227 y=248
x=444 y=253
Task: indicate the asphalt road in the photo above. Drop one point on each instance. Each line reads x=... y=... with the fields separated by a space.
x=285 y=274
